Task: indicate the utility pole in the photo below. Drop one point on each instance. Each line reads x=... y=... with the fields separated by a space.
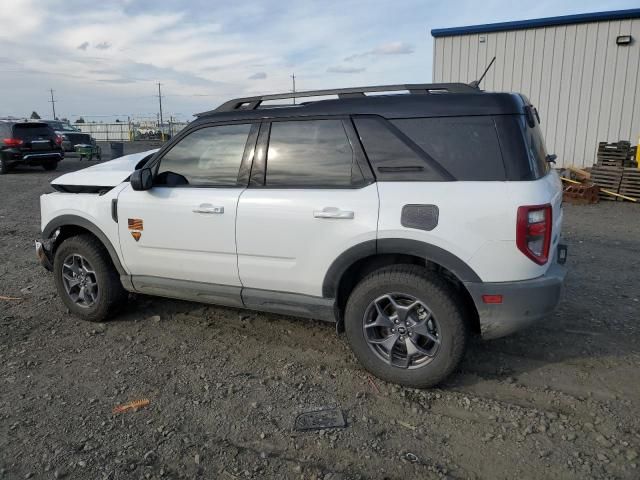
x=53 y=104
x=293 y=79
x=161 y=121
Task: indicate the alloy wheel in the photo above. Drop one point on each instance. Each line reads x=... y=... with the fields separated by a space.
x=401 y=330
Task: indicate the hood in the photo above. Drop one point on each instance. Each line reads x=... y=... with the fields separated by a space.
x=107 y=174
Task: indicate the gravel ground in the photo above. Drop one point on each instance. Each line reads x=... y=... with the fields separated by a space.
x=560 y=400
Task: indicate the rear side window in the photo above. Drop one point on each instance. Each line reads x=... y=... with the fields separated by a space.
x=467 y=147
x=210 y=156
x=29 y=131
x=310 y=153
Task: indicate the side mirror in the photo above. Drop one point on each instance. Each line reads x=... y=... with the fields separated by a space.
x=142 y=179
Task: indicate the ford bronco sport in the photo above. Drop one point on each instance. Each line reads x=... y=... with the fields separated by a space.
x=411 y=220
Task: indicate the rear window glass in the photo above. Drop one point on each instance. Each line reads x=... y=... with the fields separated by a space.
x=536 y=149
x=467 y=147
x=28 y=131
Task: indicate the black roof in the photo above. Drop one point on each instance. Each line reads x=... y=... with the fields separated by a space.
x=429 y=100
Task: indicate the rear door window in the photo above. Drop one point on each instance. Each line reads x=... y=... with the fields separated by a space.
x=310 y=153
x=467 y=147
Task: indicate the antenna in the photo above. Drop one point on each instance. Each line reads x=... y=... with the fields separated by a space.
x=476 y=83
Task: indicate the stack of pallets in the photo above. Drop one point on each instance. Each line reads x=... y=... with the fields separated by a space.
x=614 y=159
x=630 y=184
x=619 y=154
x=607 y=178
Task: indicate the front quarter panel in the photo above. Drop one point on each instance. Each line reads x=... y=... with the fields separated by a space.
x=92 y=207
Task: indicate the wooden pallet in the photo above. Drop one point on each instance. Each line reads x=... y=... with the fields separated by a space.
x=630 y=184
x=619 y=154
x=608 y=178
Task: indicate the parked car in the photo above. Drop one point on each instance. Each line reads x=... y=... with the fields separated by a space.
x=412 y=221
x=27 y=143
x=71 y=136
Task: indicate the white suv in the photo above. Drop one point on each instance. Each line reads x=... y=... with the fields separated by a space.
x=412 y=221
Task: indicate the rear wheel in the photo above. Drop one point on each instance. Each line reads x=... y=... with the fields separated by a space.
x=4 y=166
x=86 y=279
x=50 y=165
x=405 y=326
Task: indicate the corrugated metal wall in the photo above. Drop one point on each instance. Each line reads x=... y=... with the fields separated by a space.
x=586 y=88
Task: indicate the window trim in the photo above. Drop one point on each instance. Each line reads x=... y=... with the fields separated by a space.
x=245 y=162
x=258 y=170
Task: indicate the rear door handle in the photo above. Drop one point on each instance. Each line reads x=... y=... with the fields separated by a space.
x=333 y=212
x=208 y=208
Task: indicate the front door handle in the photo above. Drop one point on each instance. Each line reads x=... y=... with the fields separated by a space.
x=333 y=212
x=208 y=208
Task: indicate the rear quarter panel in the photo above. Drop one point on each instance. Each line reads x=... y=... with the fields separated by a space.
x=477 y=221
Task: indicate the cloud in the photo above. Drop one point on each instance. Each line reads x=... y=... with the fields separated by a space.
x=345 y=69
x=393 y=48
x=258 y=76
x=83 y=46
x=103 y=46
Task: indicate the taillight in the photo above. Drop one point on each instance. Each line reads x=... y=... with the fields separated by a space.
x=533 y=232
x=12 y=142
x=58 y=140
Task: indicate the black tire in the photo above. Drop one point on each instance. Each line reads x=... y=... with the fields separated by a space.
x=4 y=167
x=110 y=294
x=50 y=165
x=431 y=291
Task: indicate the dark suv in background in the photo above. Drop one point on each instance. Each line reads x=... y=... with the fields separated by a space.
x=71 y=136
x=29 y=143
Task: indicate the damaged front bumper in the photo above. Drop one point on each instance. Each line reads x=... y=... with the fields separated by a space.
x=44 y=252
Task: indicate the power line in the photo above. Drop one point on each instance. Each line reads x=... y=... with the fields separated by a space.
x=53 y=104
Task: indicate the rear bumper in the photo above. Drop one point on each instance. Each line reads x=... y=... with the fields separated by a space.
x=523 y=302
x=32 y=158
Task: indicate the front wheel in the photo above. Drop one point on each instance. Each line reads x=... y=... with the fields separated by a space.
x=86 y=279
x=406 y=326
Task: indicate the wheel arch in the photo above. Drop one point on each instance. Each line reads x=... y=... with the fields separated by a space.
x=360 y=260
x=71 y=225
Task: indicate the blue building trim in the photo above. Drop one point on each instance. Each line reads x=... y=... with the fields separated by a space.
x=538 y=22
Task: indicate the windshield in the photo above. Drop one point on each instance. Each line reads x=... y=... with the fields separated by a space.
x=60 y=126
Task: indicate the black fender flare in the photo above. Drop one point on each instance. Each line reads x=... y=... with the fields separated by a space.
x=77 y=221
x=405 y=246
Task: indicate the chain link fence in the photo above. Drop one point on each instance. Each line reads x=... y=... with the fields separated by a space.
x=130 y=131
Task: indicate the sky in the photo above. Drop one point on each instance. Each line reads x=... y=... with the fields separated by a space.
x=104 y=59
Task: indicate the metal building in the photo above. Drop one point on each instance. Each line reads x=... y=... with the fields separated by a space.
x=582 y=72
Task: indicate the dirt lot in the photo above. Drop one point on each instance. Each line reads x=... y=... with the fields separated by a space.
x=560 y=400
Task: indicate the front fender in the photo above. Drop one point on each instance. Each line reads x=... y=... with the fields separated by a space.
x=76 y=221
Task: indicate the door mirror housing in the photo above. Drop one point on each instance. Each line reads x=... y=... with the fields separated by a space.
x=142 y=179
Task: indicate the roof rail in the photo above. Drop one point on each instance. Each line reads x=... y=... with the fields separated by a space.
x=252 y=103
